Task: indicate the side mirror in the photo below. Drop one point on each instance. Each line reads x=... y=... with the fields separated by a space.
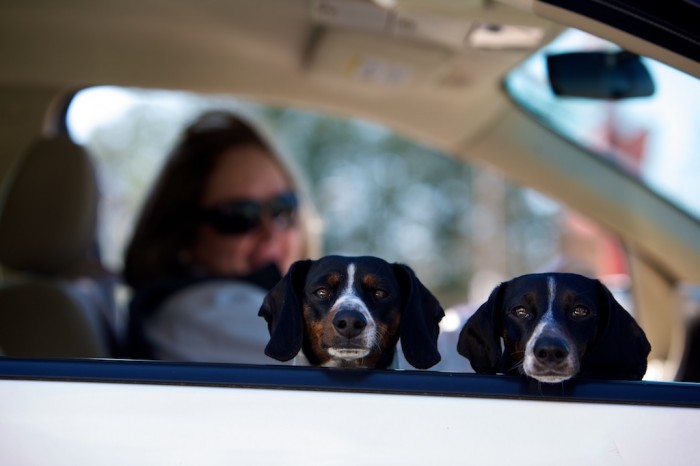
x=599 y=75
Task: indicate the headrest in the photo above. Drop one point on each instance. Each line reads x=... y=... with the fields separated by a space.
x=48 y=216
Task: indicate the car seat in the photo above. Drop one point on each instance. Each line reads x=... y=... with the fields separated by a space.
x=56 y=299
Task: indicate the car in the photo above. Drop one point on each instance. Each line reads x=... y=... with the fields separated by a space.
x=513 y=163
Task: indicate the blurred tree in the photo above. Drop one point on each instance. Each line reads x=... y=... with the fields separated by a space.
x=377 y=192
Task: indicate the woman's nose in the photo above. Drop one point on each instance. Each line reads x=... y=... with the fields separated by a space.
x=268 y=226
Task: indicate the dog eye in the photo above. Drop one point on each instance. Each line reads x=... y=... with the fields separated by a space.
x=580 y=311
x=322 y=293
x=380 y=294
x=520 y=312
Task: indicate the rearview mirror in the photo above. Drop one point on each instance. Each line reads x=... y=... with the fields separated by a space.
x=599 y=75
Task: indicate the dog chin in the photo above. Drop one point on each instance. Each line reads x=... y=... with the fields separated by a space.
x=550 y=377
x=546 y=374
x=348 y=354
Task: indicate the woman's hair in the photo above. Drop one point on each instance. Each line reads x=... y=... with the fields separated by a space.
x=167 y=224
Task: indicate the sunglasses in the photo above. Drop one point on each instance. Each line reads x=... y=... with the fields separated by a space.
x=242 y=216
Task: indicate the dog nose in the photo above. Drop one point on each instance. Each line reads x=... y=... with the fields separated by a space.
x=550 y=350
x=349 y=323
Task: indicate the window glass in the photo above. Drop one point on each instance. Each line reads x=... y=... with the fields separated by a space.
x=654 y=139
x=462 y=228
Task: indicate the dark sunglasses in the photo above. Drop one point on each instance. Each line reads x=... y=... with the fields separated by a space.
x=242 y=216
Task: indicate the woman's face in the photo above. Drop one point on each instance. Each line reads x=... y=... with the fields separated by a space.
x=246 y=173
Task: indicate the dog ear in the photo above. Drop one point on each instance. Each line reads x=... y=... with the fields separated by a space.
x=420 y=320
x=282 y=310
x=622 y=348
x=479 y=340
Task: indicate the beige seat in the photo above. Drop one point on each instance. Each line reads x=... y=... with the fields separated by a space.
x=55 y=298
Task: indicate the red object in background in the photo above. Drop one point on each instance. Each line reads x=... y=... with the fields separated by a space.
x=627 y=146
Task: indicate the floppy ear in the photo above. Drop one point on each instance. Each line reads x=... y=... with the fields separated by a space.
x=419 y=321
x=283 y=312
x=479 y=340
x=622 y=348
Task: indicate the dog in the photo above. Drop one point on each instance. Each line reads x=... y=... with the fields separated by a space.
x=552 y=327
x=351 y=312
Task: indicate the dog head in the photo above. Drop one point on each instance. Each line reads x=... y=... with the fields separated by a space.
x=351 y=312
x=552 y=327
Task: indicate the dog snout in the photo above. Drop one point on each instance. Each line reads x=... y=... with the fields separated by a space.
x=550 y=351
x=349 y=323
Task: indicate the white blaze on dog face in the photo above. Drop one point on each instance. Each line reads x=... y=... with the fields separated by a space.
x=547 y=319
x=548 y=326
x=350 y=299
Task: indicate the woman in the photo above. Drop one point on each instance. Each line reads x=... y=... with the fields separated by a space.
x=223 y=223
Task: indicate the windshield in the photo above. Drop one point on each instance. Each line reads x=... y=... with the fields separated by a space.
x=655 y=139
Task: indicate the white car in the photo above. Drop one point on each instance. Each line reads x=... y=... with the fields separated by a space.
x=591 y=165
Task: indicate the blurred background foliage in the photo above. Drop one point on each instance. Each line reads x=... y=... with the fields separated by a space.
x=461 y=227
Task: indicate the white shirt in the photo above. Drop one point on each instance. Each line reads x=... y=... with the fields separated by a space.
x=211 y=322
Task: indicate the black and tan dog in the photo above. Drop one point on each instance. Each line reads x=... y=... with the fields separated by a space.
x=552 y=327
x=351 y=312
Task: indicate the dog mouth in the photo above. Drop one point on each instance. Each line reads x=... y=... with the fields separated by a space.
x=549 y=372
x=348 y=353
x=550 y=376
